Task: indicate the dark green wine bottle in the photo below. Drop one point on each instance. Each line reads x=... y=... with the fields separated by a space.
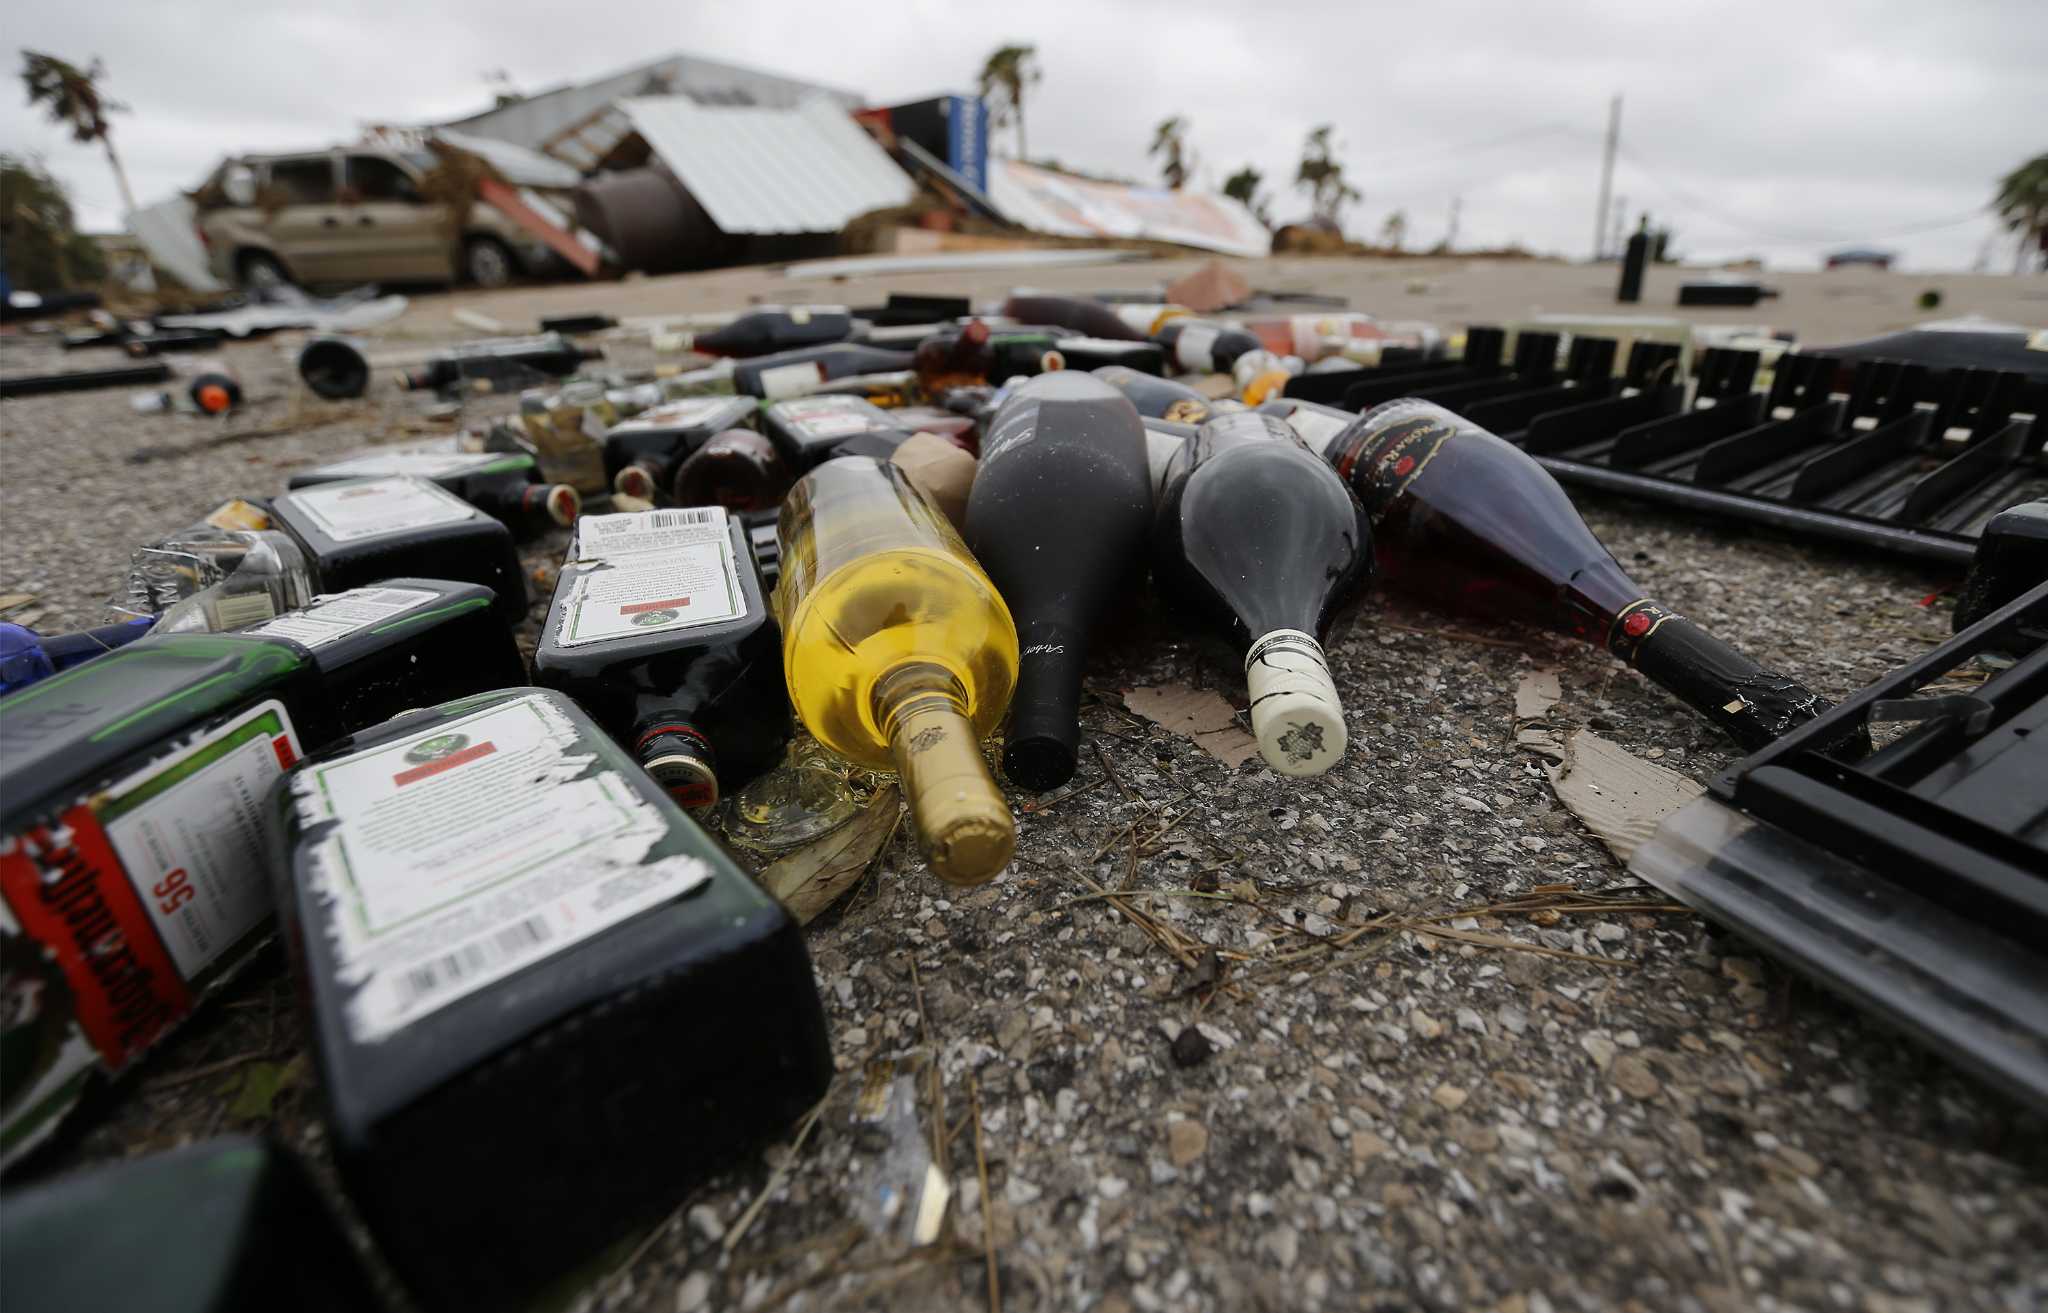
x=544 y=1004
x=227 y=1226
x=660 y=629
x=363 y=531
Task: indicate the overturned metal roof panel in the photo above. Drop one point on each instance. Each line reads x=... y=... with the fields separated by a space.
x=539 y=118
x=771 y=171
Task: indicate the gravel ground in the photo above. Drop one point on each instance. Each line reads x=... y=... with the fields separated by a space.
x=1592 y=1102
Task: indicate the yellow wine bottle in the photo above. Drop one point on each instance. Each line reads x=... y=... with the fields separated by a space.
x=899 y=652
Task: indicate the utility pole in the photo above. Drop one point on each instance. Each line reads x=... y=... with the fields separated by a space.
x=1451 y=236
x=1606 y=177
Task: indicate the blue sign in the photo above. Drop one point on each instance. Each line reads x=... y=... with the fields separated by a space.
x=967 y=139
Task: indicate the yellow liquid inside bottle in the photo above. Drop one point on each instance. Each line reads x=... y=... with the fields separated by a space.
x=899 y=653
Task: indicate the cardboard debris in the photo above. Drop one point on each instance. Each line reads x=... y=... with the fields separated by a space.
x=813 y=877
x=1209 y=288
x=1203 y=717
x=939 y=470
x=1617 y=795
x=1536 y=694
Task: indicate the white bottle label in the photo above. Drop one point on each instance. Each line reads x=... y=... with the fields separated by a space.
x=424 y=463
x=828 y=416
x=650 y=573
x=350 y=512
x=471 y=850
x=675 y=414
x=334 y=616
x=1191 y=349
x=781 y=381
x=1316 y=428
x=195 y=821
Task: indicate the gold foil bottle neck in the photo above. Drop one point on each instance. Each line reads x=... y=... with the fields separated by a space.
x=962 y=822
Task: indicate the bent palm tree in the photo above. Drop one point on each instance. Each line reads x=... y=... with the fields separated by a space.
x=2022 y=203
x=1009 y=72
x=71 y=96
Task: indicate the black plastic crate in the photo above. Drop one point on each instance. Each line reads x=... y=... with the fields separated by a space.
x=1915 y=880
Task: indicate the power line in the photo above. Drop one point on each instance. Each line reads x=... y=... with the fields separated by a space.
x=1754 y=229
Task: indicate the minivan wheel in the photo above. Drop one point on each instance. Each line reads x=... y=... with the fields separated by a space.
x=261 y=272
x=488 y=262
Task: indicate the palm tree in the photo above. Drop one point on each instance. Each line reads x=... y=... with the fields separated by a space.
x=1170 y=143
x=1009 y=72
x=71 y=96
x=1244 y=186
x=1320 y=173
x=1395 y=230
x=2022 y=202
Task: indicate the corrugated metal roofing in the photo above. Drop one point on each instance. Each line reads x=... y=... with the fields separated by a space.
x=763 y=171
x=534 y=121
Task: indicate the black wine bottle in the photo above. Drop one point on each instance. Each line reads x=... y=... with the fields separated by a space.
x=506 y=934
x=641 y=454
x=1158 y=398
x=362 y=531
x=800 y=372
x=226 y=1225
x=659 y=628
x=738 y=469
x=504 y=485
x=768 y=330
x=1196 y=347
x=1089 y=318
x=1092 y=353
x=498 y=358
x=1057 y=517
x=808 y=430
x=1254 y=538
x=1468 y=521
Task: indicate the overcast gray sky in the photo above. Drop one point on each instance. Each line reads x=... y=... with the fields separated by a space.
x=1773 y=129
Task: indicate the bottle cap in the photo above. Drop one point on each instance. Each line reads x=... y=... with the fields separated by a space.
x=1296 y=715
x=213 y=398
x=679 y=759
x=634 y=481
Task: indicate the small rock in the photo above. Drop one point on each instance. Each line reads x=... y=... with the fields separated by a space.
x=1258 y=1204
x=693 y=1293
x=1366 y=1146
x=1449 y=1097
x=1424 y=1025
x=1609 y=933
x=704 y=1220
x=1799 y=1160
x=1470 y=1020
x=1112 y=1187
x=1191 y=1048
x=1284 y=1244
x=1848 y=1096
x=1600 y=1047
x=1186 y=1141
x=1635 y=1078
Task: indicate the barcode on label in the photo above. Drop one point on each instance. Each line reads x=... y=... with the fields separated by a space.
x=512 y=942
x=693 y=518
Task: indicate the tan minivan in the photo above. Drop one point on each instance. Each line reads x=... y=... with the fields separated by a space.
x=352 y=215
